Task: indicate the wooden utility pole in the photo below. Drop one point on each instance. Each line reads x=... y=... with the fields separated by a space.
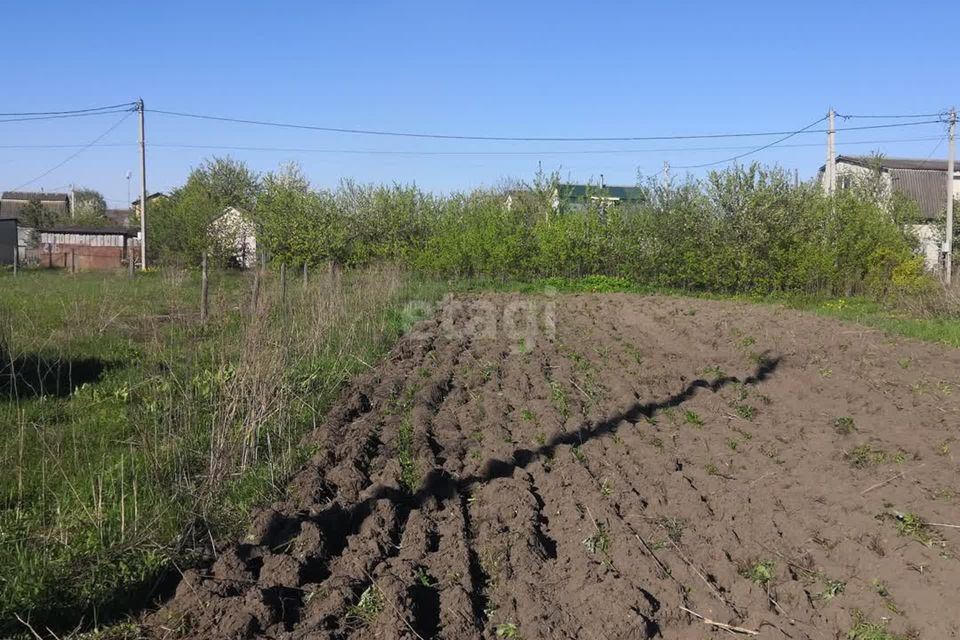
x=204 y=288
x=304 y=274
x=143 y=189
x=951 y=157
x=830 y=169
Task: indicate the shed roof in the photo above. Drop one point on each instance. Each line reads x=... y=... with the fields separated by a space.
x=91 y=231
x=885 y=163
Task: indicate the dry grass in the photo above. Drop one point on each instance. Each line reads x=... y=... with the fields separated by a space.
x=186 y=429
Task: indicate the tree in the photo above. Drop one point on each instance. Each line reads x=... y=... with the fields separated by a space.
x=35 y=215
x=89 y=208
x=179 y=226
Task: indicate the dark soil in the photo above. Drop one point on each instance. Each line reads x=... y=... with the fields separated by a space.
x=657 y=456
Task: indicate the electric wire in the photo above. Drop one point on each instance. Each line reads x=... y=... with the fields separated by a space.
x=752 y=151
x=437 y=136
x=76 y=153
x=69 y=111
x=64 y=117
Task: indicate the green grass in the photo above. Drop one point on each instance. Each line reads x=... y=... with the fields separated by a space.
x=866 y=630
x=188 y=428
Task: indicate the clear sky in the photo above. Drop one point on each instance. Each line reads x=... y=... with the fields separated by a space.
x=457 y=67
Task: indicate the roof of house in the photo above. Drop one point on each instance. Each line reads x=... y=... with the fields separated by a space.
x=92 y=231
x=923 y=181
x=927 y=188
x=35 y=195
x=885 y=163
x=150 y=196
x=577 y=191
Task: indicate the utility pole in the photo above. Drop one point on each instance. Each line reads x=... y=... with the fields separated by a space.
x=951 y=157
x=143 y=190
x=666 y=173
x=831 y=166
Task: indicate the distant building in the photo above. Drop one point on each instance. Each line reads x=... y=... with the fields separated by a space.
x=12 y=203
x=119 y=217
x=17 y=240
x=603 y=195
x=566 y=195
x=86 y=249
x=922 y=181
x=234 y=237
x=150 y=198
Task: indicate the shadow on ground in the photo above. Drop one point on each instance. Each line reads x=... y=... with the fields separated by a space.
x=34 y=375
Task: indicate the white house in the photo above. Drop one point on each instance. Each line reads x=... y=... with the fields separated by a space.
x=923 y=181
x=235 y=235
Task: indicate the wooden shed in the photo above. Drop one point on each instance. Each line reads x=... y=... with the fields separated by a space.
x=83 y=249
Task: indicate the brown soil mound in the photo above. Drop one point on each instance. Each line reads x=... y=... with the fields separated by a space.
x=654 y=463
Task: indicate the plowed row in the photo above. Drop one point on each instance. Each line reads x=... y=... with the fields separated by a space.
x=625 y=468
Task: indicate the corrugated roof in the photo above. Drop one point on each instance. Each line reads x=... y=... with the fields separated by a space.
x=927 y=188
x=897 y=163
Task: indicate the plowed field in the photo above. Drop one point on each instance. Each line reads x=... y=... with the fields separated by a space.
x=612 y=466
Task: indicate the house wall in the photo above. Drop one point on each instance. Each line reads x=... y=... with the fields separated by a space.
x=237 y=235
x=929 y=236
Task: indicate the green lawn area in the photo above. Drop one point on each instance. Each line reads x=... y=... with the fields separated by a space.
x=133 y=434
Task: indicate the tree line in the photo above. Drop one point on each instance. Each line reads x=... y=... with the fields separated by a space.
x=740 y=229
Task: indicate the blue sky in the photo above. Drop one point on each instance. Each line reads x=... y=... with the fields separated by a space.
x=477 y=68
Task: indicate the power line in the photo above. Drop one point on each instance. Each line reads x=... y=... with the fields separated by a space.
x=503 y=153
x=412 y=152
x=64 y=116
x=937 y=146
x=76 y=153
x=69 y=111
x=436 y=136
x=891 y=117
x=757 y=150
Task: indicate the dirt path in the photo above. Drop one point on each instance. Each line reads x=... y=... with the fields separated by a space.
x=625 y=461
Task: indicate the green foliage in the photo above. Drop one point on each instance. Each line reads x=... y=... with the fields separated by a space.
x=863 y=629
x=739 y=230
x=89 y=205
x=367 y=609
x=760 y=572
x=179 y=225
x=35 y=215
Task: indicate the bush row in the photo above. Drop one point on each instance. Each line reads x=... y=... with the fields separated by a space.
x=743 y=229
